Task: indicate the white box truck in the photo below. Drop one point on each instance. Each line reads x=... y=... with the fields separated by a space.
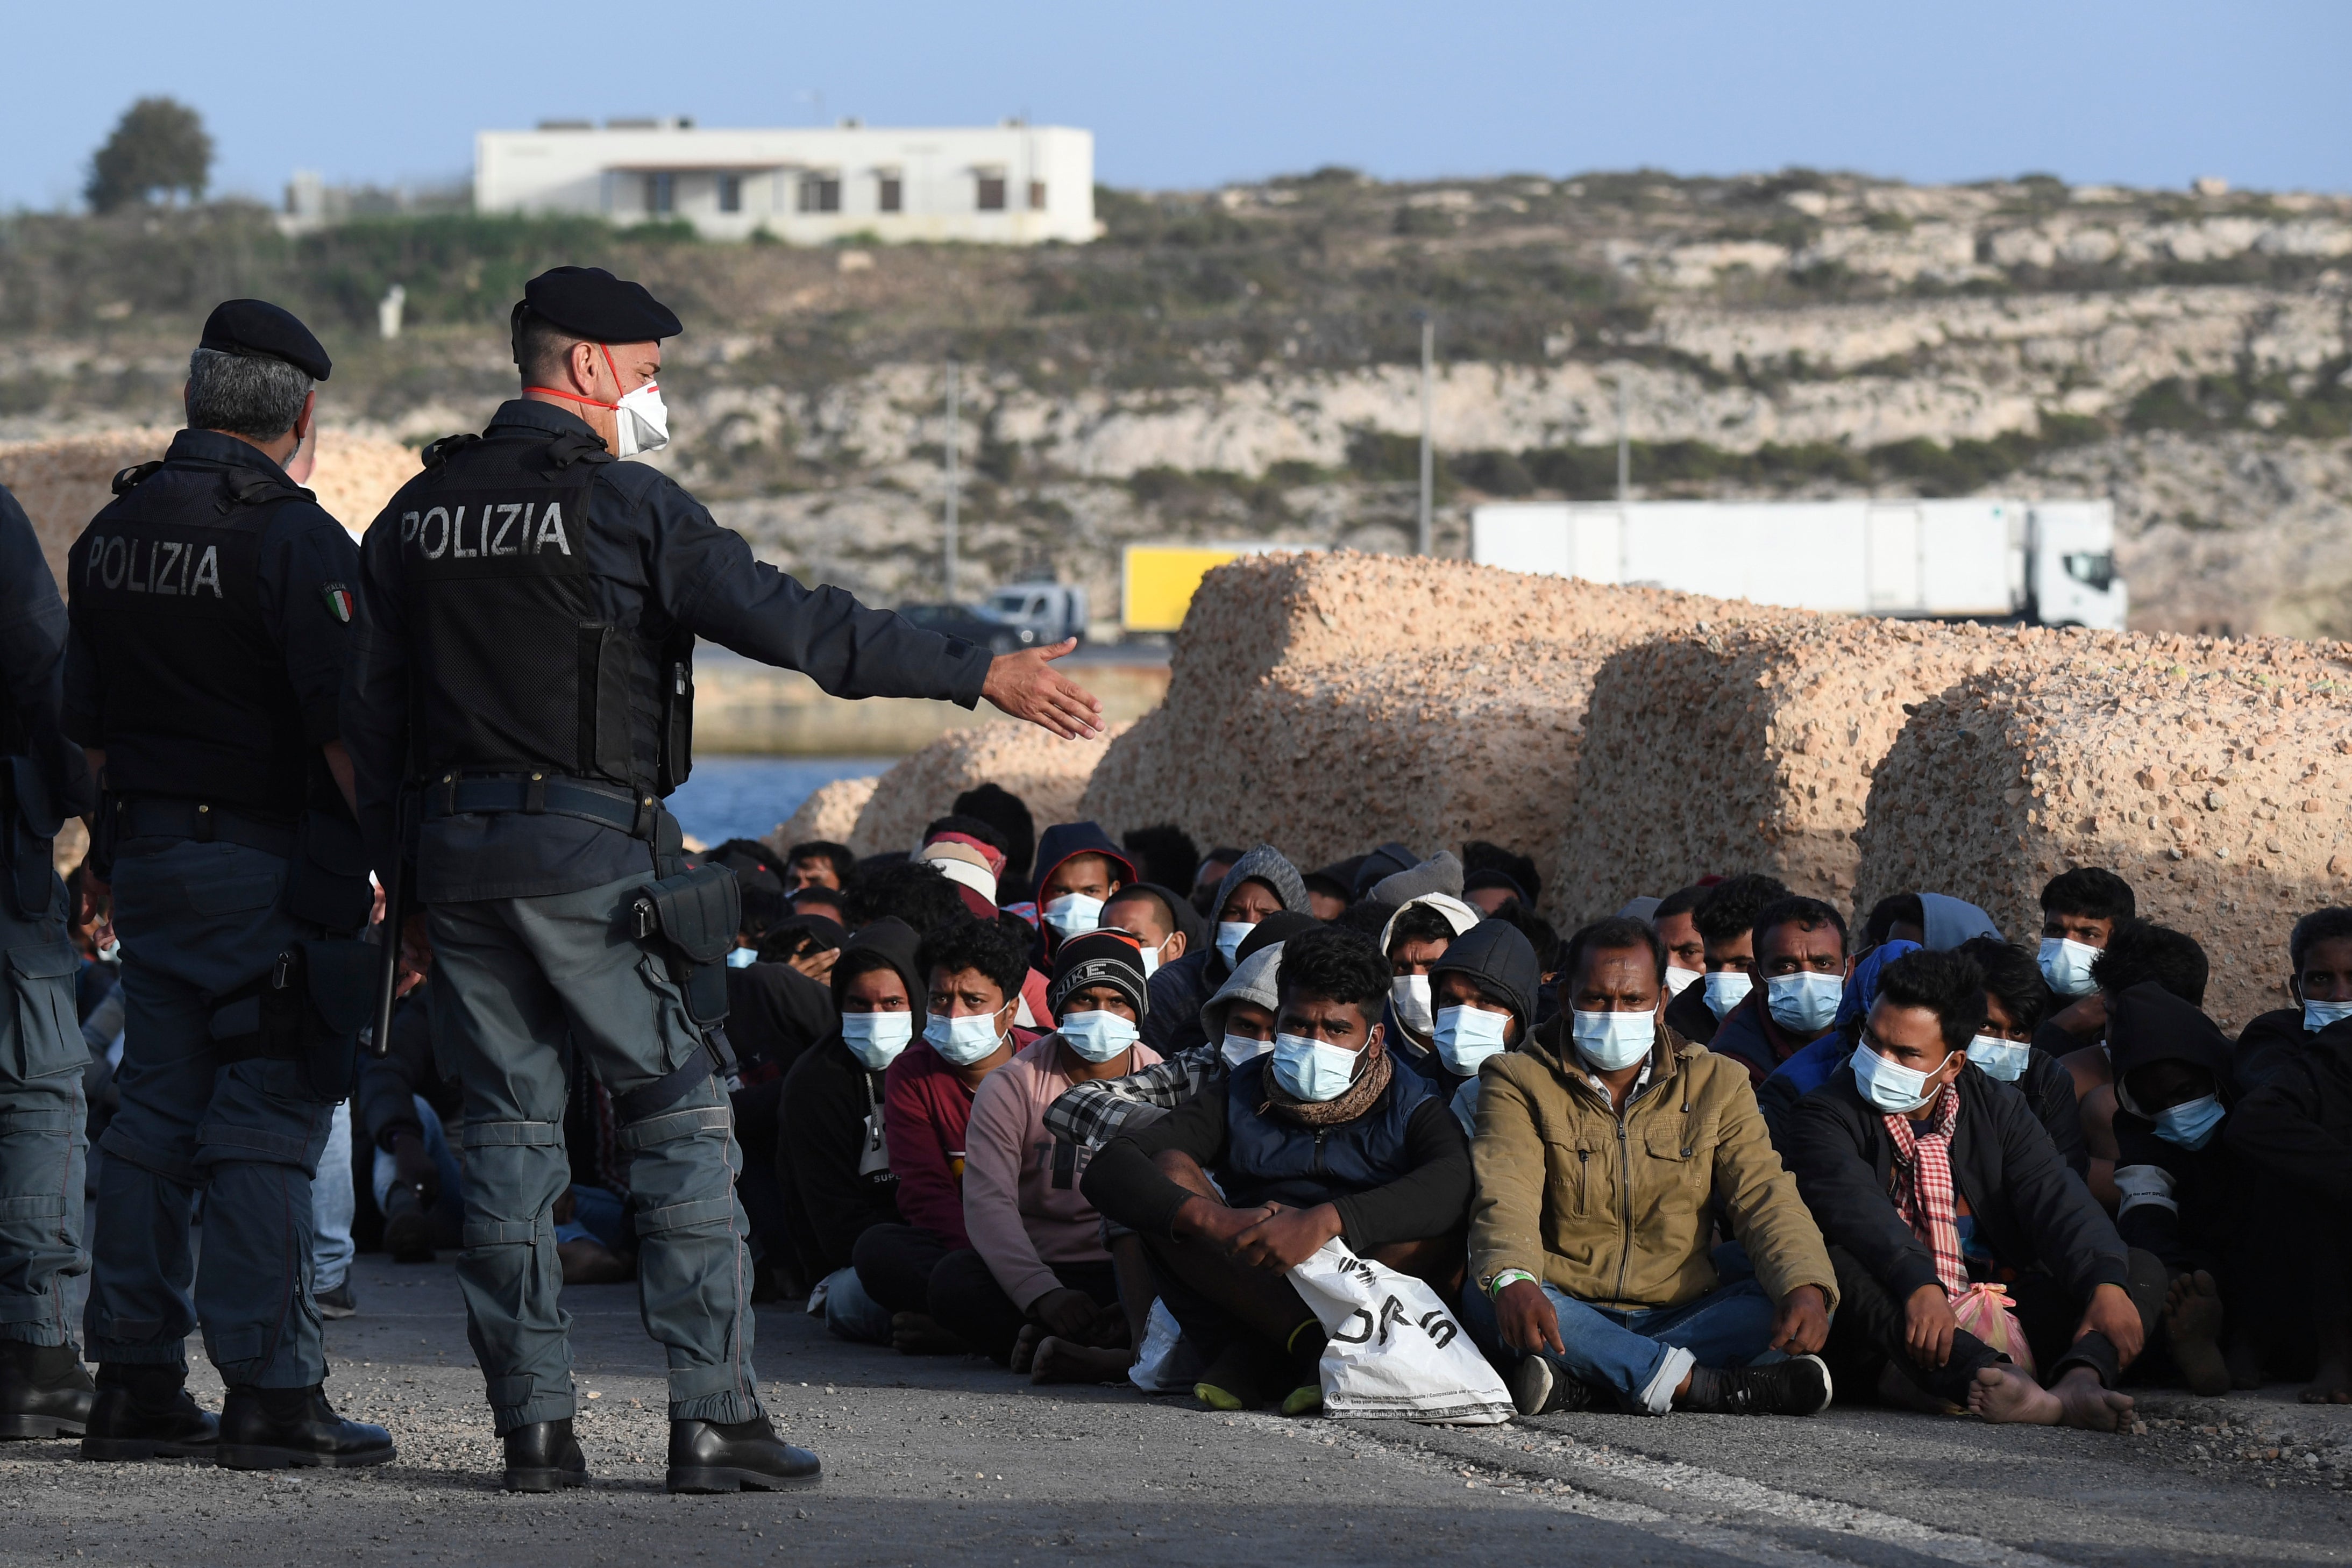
x=2047 y=562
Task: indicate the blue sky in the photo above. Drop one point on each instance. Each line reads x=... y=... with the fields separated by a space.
x=2152 y=92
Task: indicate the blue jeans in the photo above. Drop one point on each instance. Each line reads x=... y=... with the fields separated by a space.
x=333 y=1205
x=851 y=1313
x=1642 y=1354
x=597 y=1215
x=451 y=1205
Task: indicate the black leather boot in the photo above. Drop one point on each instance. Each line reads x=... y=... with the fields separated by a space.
x=144 y=1413
x=44 y=1392
x=736 y=1455
x=272 y=1429
x=408 y=1228
x=544 y=1457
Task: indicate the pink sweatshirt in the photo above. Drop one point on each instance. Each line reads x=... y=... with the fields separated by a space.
x=1021 y=1205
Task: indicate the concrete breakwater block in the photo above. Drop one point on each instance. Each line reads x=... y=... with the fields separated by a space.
x=1745 y=748
x=2214 y=777
x=1048 y=773
x=829 y=816
x=1326 y=701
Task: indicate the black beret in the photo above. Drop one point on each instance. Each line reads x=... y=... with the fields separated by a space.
x=590 y=302
x=259 y=330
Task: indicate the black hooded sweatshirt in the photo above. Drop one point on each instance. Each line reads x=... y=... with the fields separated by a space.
x=1503 y=962
x=2189 y=1215
x=831 y=1116
x=2297 y=1128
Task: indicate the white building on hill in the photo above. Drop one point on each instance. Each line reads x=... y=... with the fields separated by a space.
x=1005 y=184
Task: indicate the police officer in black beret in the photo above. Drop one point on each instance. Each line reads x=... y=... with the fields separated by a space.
x=213 y=608
x=44 y=1392
x=520 y=707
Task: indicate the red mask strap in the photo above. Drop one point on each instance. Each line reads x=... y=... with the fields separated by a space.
x=575 y=397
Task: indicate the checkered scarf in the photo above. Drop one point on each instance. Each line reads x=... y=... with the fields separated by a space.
x=1922 y=1185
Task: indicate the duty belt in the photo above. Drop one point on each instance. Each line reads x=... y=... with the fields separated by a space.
x=201 y=821
x=540 y=795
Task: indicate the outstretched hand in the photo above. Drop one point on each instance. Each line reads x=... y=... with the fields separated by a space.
x=1026 y=686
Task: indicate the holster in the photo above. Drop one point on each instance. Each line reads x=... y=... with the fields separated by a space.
x=328 y=884
x=696 y=914
x=30 y=818
x=309 y=1010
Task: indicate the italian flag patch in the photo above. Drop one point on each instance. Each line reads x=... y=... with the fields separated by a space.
x=338 y=602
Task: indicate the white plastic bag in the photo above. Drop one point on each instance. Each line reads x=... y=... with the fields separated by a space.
x=1167 y=1364
x=1396 y=1351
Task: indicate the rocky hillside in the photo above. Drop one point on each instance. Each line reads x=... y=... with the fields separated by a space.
x=1240 y=363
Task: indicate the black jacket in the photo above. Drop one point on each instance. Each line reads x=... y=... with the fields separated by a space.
x=2297 y=1126
x=775 y=1014
x=2031 y=1210
x=2203 y=1220
x=823 y=1131
x=1689 y=1016
x=33 y=662
x=2267 y=1045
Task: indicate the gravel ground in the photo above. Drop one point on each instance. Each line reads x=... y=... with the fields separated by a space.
x=941 y=1459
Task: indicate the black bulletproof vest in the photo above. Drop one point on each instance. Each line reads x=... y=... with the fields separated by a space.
x=517 y=664
x=195 y=699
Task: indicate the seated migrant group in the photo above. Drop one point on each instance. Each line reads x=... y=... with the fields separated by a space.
x=1051 y=1102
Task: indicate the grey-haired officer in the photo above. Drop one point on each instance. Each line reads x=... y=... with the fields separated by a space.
x=533 y=604
x=211 y=613
x=44 y=1392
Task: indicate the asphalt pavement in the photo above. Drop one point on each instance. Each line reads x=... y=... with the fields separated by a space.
x=950 y=1460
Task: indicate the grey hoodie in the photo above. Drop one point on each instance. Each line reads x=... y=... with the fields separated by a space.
x=1253 y=982
x=1442 y=873
x=1266 y=864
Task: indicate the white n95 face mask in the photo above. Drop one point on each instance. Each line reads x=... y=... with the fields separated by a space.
x=877 y=1039
x=1681 y=980
x=961 y=1042
x=1468 y=1036
x=1613 y=1041
x=1409 y=994
x=2066 y=965
x=640 y=418
x=1725 y=989
x=1240 y=1048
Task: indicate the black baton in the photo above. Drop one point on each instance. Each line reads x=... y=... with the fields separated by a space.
x=387 y=981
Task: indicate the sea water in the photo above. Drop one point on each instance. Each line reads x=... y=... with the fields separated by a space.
x=744 y=796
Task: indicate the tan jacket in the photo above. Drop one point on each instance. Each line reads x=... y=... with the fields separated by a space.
x=1618 y=1214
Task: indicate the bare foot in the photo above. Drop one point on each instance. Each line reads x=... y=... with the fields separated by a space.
x=1900 y=1392
x=1024 y=1347
x=2332 y=1387
x=2192 y=1325
x=1059 y=1361
x=916 y=1333
x=2089 y=1404
x=2003 y=1394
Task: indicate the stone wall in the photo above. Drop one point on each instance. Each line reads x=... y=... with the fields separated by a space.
x=1325 y=702
x=1745 y=748
x=829 y=816
x=2216 y=778
x=1048 y=773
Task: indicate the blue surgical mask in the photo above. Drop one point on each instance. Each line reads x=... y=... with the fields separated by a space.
x=1072 y=915
x=1312 y=1071
x=1468 y=1036
x=1100 y=1035
x=2191 y=1123
x=2317 y=1016
x=1806 y=1002
x=1613 y=1041
x=877 y=1039
x=2066 y=965
x=1895 y=1089
x=2003 y=1059
x=1725 y=989
x=963 y=1040
x=742 y=957
x=1230 y=935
